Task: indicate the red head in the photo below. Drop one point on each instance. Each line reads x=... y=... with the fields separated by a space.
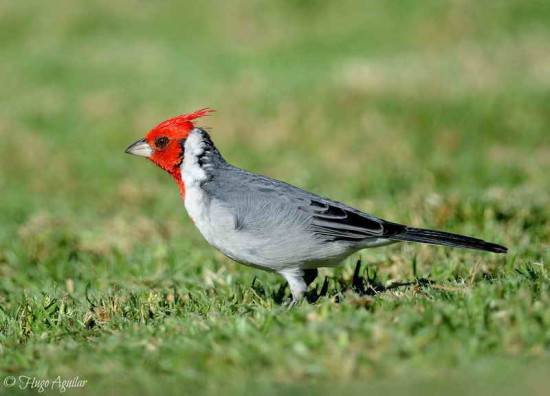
x=163 y=144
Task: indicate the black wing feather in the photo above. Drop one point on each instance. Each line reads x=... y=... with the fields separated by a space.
x=337 y=222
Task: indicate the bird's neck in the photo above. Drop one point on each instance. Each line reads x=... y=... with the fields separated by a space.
x=201 y=161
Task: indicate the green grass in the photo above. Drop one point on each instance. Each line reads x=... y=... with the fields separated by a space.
x=427 y=113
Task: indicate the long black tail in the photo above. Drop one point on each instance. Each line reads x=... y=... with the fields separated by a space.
x=447 y=239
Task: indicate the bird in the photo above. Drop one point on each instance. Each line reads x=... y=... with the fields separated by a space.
x=266 y=223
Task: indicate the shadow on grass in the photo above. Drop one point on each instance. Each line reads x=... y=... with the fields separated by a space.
x=361 y=285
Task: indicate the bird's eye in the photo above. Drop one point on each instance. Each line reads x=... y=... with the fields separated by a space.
x=161 y=142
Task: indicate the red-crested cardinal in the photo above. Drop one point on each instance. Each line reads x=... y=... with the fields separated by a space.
x=265 y=223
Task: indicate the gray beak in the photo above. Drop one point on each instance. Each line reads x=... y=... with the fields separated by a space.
x=140 y=148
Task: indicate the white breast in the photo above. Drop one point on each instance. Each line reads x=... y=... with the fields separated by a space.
x=192 y=175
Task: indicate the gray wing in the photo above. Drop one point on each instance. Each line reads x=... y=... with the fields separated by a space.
x=256 y=198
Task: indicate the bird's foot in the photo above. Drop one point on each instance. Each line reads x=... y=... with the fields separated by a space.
x=291 y=302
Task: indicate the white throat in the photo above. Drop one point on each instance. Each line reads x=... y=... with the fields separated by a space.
x=191 y=172
x=193 y=175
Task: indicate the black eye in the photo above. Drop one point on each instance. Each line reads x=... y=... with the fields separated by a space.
x=161 y=142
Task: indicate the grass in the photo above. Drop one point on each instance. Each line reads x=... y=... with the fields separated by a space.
x=426 y=113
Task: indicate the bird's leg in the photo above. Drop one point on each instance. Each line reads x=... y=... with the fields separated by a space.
x=296 y=282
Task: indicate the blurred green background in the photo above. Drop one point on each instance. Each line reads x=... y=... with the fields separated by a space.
x=428 y=113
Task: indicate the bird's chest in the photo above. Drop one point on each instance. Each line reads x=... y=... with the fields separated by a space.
x=214 y=221
x=196 y=201
x=198 y=208
x=211 y=217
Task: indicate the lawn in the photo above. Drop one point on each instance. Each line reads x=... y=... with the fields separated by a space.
x=427 y=113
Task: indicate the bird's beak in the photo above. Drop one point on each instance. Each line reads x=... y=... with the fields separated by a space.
x=140 y=148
